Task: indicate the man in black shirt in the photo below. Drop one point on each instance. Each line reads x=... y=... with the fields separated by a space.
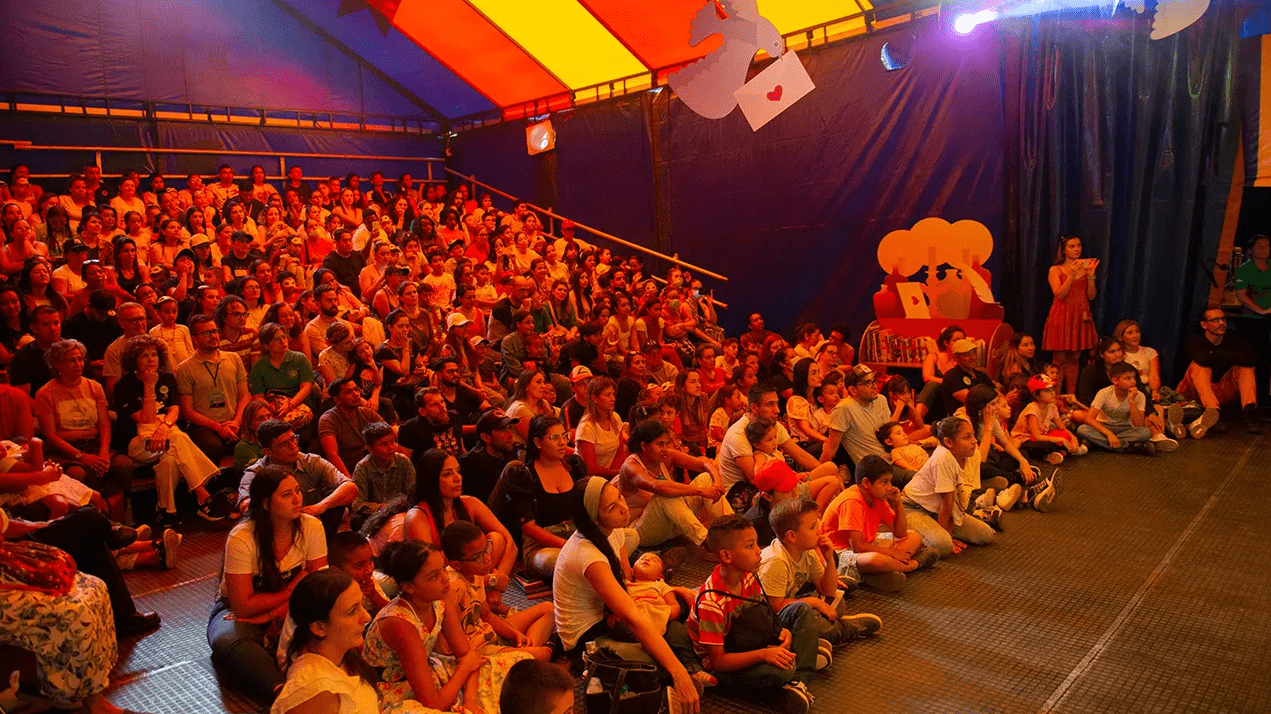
x=1216 y=353
x=959 y=380
x=584 y=351
x=346 y=264
x=254 y=209
x=482 y=466
x=435 y=427
x=241 y=255
x=518 y=298
x=95 y=326
x=29 y=370
x=461 y=399
x=295 y=182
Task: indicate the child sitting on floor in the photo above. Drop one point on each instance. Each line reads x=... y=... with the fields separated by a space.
x=906 y=455
x=468 y=562
x=800 y=561
x=739 y=656
x=1038 y=430
x=1072 y=413
x=851 y=523
x=820 y=484
x=777 y=483
x=1116 y=421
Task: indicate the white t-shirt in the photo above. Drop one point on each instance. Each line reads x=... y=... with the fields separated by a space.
x=782 y=576
x=735 y=445
x=606 y=442
x=1047 y=419
x=1141 y=360
x=936 y=477
x=443 y=289
x=312 y=674
x=242 y=556
x=74 y=283
x=578 y=605
x=718 y=419
x=1116 y=411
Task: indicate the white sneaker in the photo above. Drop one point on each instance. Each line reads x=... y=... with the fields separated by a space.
x=1081 y=450
x=170 y=543
x=797 y=698
x=1202 y=425
x=986 y=499
x=1174 y=421
x=1164 y=443
x=1007 y=499
x=824 y=654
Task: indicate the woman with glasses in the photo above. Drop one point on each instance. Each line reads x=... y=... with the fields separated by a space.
x=74 y=418
x=439 y=501
x=534 y=496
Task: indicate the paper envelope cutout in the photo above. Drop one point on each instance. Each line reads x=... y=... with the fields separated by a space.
x=914 y=300
x=773 y=90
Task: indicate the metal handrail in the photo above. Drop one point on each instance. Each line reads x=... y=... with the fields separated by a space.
x=21 y=145
x=593 y=231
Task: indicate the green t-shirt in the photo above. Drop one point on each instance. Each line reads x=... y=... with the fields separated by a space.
x=295 y=371
x=1256 y=284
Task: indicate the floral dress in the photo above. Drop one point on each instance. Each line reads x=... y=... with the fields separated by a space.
x=396 y=688
x=72 y=636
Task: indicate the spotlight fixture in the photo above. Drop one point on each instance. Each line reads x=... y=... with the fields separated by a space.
x=540 y=137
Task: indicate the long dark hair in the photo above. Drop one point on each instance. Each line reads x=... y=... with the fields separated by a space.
x=428 y=488
x=312 y=601
x=264 y=484
x=801 y=369
x=539 y=426
x=979 y=397
x=590 y=530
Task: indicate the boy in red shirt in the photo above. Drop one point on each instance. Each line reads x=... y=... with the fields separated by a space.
x=851 y=522
x=786 y=664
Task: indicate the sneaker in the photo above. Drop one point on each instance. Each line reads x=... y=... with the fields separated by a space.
x=144 y=532
x=1174 y=421
x=1055 y=458
x=1146 y=448
x=1164 y=444
x=1007 y=499
x=213 y=509
x=796 y=699
x=168 y=546
x=885 y=582
x=986 y=499
x=1056 y=481
x=1253 y=425
x=1201 y=426
x=824 y=654
x=703 y=679
x=1044 y=498
x=927 y=557
x=1081 y=450
x=166 y=519
x=860 y=625
x=121 y=537
x=990 y=516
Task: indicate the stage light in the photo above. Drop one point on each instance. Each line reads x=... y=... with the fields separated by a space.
x=967 y=22
x=540 y=137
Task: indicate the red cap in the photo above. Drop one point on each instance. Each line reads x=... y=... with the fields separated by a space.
x=776 y=475
x=1039 y=382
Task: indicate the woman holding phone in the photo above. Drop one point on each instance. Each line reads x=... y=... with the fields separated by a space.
x=1070 y=325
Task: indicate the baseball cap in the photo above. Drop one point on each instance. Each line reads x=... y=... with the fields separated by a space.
x=457 y=318
x=493 y=420
x=580 y=373
x=776 y=475
x=76 y=247
x=1038 y=382
x=567 y=225
x=477 y=341
x=199 y=239
x=964 y=345
x=186 y=253
x=243 y=236
x=859 y=374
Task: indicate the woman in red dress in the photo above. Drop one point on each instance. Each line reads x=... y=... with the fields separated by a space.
x=1070 y=325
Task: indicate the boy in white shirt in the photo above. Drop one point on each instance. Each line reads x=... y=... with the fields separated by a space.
x=1116 y=419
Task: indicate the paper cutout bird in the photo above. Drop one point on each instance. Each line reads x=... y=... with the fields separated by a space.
x=707 y=85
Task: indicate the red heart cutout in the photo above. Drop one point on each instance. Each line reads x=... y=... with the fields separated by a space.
x=775 y=94
x=915 y=300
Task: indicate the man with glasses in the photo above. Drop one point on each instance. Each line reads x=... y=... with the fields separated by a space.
x=214 y=391
x=132 y=318
x=855 y=421
x=326 y=491
x=1221 y=370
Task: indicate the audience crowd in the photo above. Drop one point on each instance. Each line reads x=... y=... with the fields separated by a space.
x=404 y=399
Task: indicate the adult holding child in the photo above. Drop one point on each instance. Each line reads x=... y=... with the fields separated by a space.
x=588 y=580
x=1070 y=325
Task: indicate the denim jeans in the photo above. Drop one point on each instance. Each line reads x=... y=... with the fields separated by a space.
x=238 y=651
x=1127 y=433
x=801 y=620
x=971 y=530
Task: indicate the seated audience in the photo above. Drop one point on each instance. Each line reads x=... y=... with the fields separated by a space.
x=1221 y=371
x=324 y=490
x=737 y=462
x=856 y=419
x=661 y=507
x=340 y=427
x=930 y=506
x=601 y=434
x=214 y=391
x=383 y=473
x=1117 y=421
x=959 y=380
x=482 y=465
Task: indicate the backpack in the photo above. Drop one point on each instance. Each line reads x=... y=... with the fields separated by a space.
x=755 y=624
x=28 y=565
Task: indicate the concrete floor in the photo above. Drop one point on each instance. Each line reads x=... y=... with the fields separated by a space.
x=1145 y=590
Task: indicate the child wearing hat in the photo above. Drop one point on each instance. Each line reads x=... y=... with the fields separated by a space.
x=1039 y=431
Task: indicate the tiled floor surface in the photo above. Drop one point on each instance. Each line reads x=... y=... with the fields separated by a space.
x=1147 y=589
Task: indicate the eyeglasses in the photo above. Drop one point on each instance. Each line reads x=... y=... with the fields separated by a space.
x=555 y=438
x=205 y=333
x=1216 y=319
x=489 y=551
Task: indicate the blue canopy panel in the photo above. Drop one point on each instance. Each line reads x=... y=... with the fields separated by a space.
x=370 y=35
x=228 y=53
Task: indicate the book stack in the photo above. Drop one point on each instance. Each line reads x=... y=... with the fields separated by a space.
x=535 y=589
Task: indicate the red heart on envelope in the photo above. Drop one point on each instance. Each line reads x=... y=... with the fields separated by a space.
x=775 y=94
